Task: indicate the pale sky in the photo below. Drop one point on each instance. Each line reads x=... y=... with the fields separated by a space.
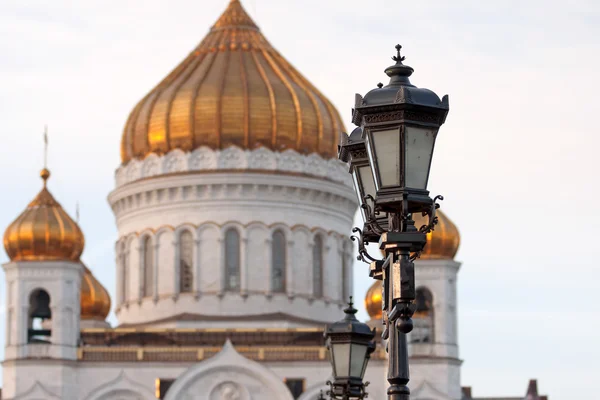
x=517 y=159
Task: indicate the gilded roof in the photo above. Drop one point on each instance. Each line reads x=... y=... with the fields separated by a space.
x=95 y=300
x=373 y=300
x=443 y=242
x=233 y=89
x=44 y=231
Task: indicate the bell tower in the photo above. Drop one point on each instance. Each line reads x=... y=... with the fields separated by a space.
x=43 y=280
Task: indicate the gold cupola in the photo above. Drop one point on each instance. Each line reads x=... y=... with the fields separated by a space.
x=234 y=88
x=443 y=242
x=95 y=300
x=44 y=231
x=373 y=301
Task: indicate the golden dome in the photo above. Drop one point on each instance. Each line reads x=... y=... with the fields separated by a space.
x=443 y=242
x=233 y=89
x=95 y=300
x=373 y=301
x=44 y=231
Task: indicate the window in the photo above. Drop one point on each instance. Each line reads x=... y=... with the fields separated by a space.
x=125 y=271
x=232 y=260
x=162 y=386
x=186 y=262
x=148 y=270
x=40 y=317
x=296 y=386
x=278 y=259
x=423 y=317
x=345 y=283
x=318 y=266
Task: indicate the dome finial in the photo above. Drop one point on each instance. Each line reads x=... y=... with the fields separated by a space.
x=45 y=173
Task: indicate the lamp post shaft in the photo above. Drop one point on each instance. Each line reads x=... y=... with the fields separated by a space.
x=398 y=373
x=399 y=284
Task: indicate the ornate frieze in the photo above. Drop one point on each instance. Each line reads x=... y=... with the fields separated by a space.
x=232 y=158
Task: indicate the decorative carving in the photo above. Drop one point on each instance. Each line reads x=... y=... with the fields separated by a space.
x=262 y=158
x=205 y=159
x=233 y=158
x=227 y=391
x=151 y=166
x=384 y=117
x=422 y=117
x=289 y=160
x=175 y=161
x=403 y=95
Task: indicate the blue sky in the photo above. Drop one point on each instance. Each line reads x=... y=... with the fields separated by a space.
x=517 y=159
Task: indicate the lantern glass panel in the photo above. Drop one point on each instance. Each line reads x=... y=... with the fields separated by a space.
x=364 y=368
x=367 y=186
x=419 y=150
x=387 y=162
x=357 y=361
x=341 y=358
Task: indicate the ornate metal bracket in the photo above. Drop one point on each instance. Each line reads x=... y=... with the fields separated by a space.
x=363 y=255
x=433 y=220
x=372 y=214
x=344 y=392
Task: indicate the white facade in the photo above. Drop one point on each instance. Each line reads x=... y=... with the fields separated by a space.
x=263 y=198
x=257 y=194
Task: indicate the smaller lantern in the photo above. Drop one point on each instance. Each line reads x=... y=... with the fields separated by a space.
x=350 y=344
x=353 y=151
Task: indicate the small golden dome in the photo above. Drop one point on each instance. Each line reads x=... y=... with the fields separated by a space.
x=233 y=89
x=44 y=231
x=373 y=301
x=95 y=300
x=443 y=242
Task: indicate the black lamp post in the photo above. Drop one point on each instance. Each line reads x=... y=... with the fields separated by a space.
x=350 y=344
x=398 y=124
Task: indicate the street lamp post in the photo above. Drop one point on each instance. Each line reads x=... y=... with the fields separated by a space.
x=398 y=126
x=350 y=344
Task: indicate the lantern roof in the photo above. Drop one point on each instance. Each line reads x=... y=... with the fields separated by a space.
x=399 y=91
x=350 y=325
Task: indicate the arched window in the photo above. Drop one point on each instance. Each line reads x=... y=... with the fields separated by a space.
x=186 y=262
x=278 y=261
x=148 y=267
x=40 y=317
x=318 y=266
x=345 y=278
x=125 y=272
x=232 y=259
x=423 y=317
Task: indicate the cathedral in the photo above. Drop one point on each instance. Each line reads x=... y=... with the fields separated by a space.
x=233 y=251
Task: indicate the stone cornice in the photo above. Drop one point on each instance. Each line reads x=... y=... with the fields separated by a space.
x=171 y=191
x=232 y=158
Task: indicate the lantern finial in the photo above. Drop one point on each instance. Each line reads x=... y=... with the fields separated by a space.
x=399 y=72
x=350 y=310
x=398 y=58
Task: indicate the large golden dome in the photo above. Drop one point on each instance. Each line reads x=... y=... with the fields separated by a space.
x=44 y=231
x=95 y=300
x=373 y=300
x=443 y=242
x=233 y=89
